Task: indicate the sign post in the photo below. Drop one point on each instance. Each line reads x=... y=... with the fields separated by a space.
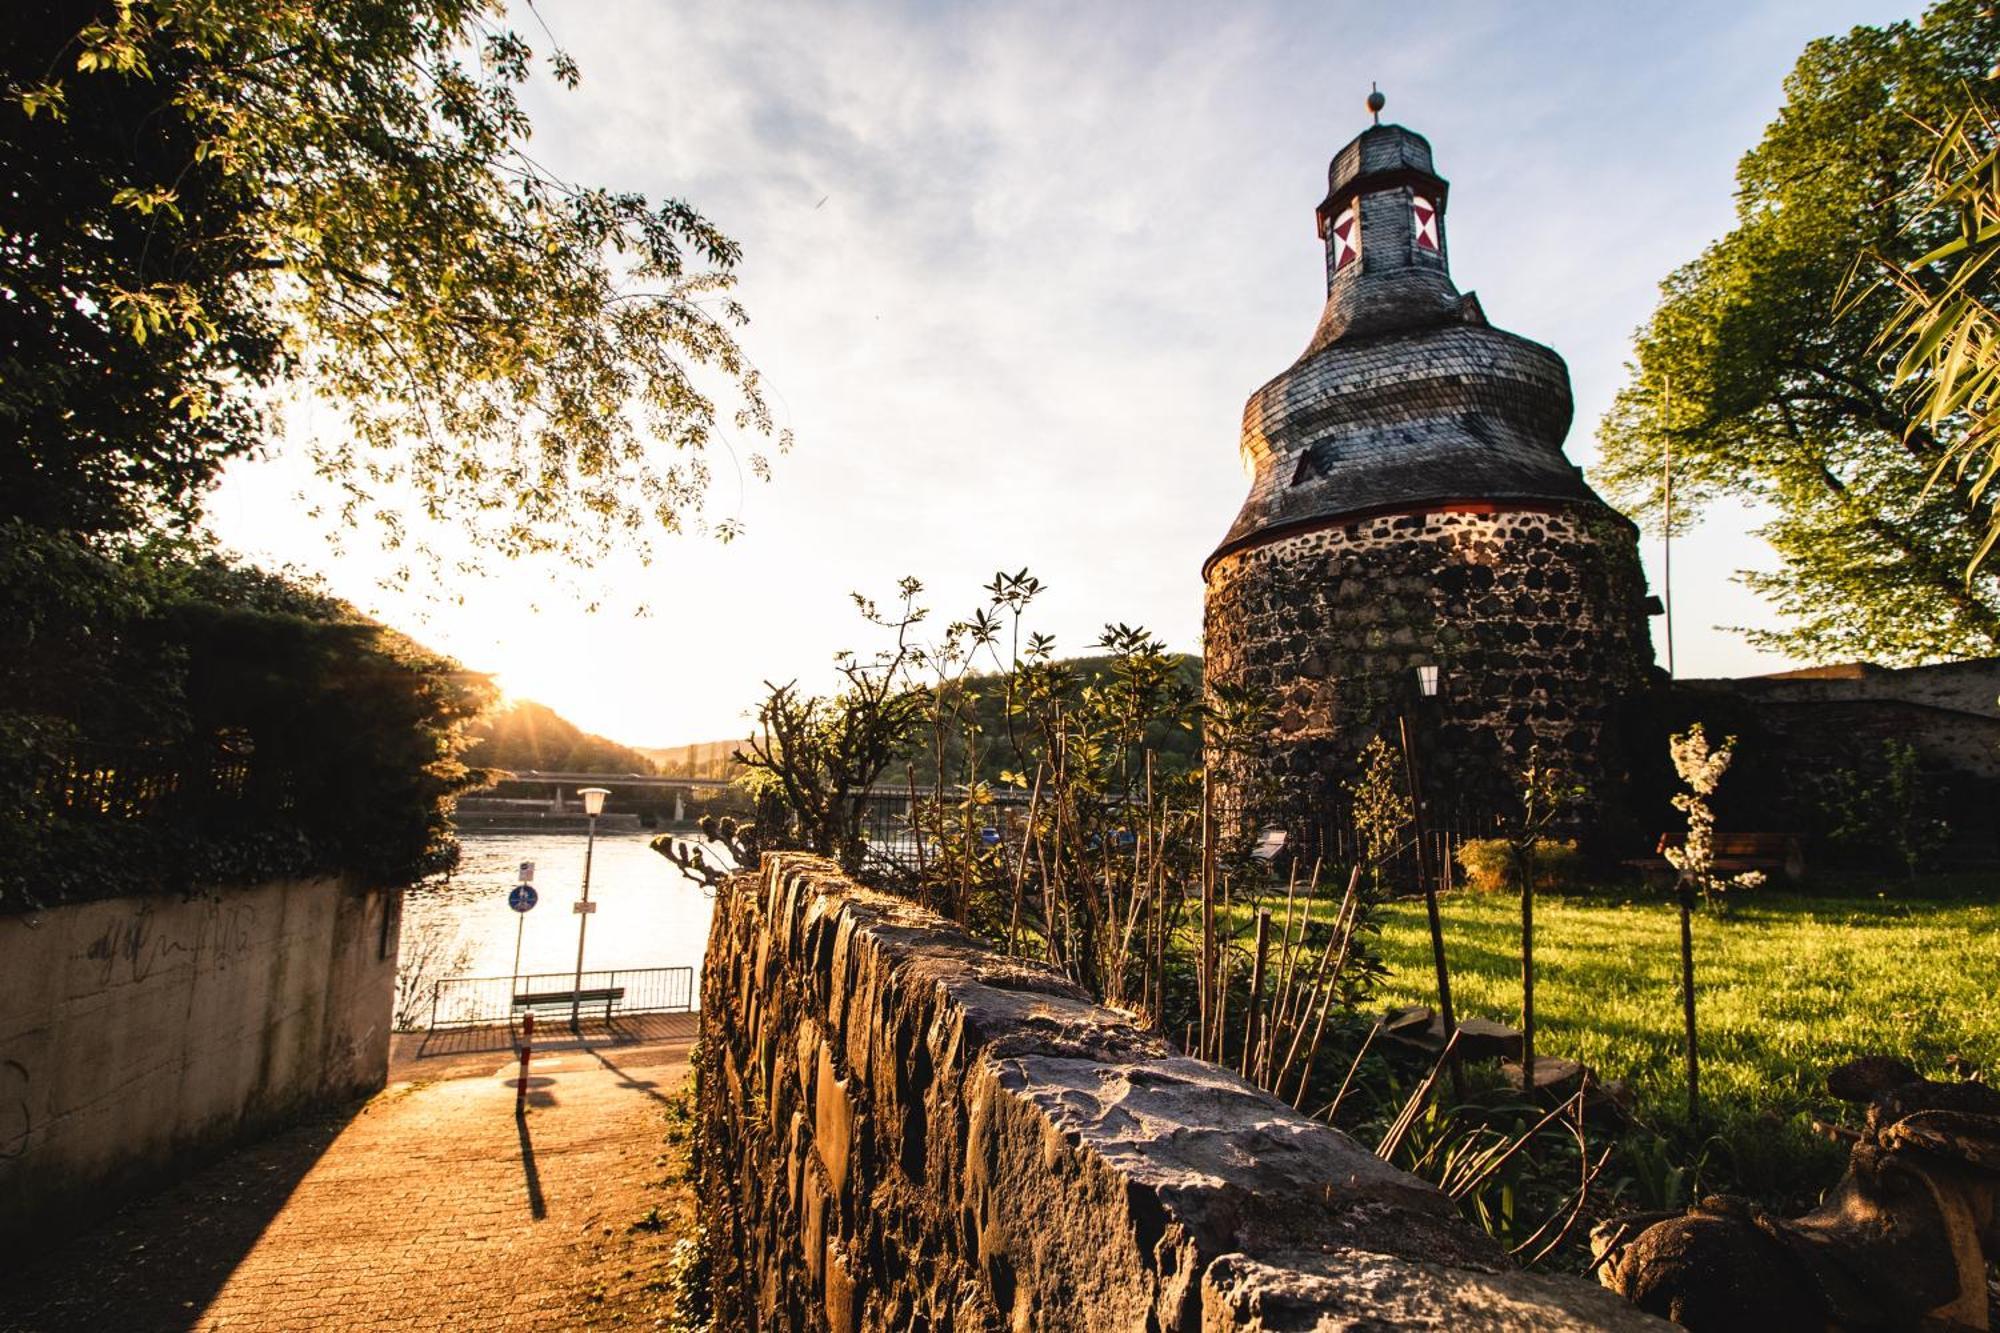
x=521 y=898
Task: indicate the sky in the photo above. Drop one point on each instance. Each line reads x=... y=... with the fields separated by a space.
x=1013 y=269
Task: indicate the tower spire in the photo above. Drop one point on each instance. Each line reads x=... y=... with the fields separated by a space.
x=1376 y=102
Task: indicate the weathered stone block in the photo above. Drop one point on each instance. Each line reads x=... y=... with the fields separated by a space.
x=1007 y=1154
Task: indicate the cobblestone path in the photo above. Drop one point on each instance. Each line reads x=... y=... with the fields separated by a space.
x=428 y=1207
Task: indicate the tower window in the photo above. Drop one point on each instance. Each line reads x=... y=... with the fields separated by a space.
x=1346 y=238
x=1423 y=216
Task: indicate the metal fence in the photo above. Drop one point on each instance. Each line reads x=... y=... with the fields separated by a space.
x=143 y=782
x=470 y=1001
x=1329 y=836
x=1332 y=837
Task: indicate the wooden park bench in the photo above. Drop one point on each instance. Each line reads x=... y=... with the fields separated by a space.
x=562 y=1003
x=1779 y=853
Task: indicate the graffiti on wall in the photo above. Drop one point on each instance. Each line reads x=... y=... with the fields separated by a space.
x=131 y=948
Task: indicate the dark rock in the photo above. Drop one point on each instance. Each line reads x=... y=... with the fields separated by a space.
x=1556 y=1079
x=1860 y=1080
x=1904 y=1240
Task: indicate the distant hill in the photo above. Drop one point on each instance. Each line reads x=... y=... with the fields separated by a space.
x=530 y=735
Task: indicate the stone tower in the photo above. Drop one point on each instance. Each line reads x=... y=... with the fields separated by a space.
x=1411 y=504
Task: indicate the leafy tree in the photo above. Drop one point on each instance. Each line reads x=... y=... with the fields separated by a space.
x=820 y=756
x=1879 y=808
x=1546 y=792
x=1759 y=370
x=173 y=722
x=1382 y=808
x=209 y=200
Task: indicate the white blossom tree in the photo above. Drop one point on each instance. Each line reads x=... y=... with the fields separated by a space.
x=1701 y=768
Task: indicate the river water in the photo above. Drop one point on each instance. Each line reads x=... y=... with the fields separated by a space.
x=648 y=915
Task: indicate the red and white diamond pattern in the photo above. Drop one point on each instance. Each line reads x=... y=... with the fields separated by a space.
x=1424 y=214
x=1345 y=250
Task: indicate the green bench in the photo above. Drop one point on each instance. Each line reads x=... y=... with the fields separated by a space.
x=564 y=1002
x=1774 y=853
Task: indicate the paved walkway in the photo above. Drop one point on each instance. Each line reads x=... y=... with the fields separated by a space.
x=430 y=1206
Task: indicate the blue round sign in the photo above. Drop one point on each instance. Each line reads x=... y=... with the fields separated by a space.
x=522 y=897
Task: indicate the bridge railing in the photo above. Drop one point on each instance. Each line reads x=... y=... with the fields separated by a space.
x=475 y=1001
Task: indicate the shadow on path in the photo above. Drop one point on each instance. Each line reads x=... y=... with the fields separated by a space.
x=622 y=1030
x=538 y=1207
x=651 y=1087
x=156 y=1263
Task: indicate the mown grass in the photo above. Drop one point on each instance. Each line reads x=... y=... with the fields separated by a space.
x=1787 y=987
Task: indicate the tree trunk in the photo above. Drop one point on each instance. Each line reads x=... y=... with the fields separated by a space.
x=1525 y=868
x=1687 y=1004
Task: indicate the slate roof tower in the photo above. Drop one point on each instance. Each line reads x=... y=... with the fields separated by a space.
x=1410 y=504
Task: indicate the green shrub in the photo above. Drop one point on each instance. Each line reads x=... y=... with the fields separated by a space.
x=1488 y=869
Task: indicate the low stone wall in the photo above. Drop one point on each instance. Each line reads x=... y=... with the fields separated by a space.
x=904 y=1129
x=139 y=1034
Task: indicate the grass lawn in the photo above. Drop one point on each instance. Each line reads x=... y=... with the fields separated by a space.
x=1786 y=988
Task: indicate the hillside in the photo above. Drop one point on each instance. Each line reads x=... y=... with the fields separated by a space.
x=528 y=735
x=1179 y=750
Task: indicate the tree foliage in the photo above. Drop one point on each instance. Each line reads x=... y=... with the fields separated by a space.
x=1946 y=334
x=210 y=199
x=1759 y=370
x=819 y=756
x=170 y=721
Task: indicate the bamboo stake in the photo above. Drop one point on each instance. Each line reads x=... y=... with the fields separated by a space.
x=1322 y=984
x=1255 y=1008
x=1206 y=972
x=1223 y=983
x=1332 y=1108
x=1429 y=887
x=1021 y=866
x=1296 y=999
x=1415 y=1105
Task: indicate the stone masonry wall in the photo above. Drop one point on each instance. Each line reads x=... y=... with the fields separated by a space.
x=905 y=1130
x=139 y=1034
x=1536 y=617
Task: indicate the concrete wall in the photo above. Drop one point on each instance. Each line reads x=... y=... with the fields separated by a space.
x=903 y=1129
x=137 y=1034
x=1950 y=711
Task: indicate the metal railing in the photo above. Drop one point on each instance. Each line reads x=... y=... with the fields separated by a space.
x=144 y=782
x=472 y=1001
x=1328 y=834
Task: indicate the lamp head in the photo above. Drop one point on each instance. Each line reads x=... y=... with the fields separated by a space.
x=593 y=800
x=1427 y=679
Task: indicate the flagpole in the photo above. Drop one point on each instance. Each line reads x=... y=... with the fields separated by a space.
x=1667 y=532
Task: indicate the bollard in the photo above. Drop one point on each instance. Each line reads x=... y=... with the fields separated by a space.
x=527 y=1047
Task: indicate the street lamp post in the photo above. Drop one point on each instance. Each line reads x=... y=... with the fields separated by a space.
x=1427 y=687
x=593 y=806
